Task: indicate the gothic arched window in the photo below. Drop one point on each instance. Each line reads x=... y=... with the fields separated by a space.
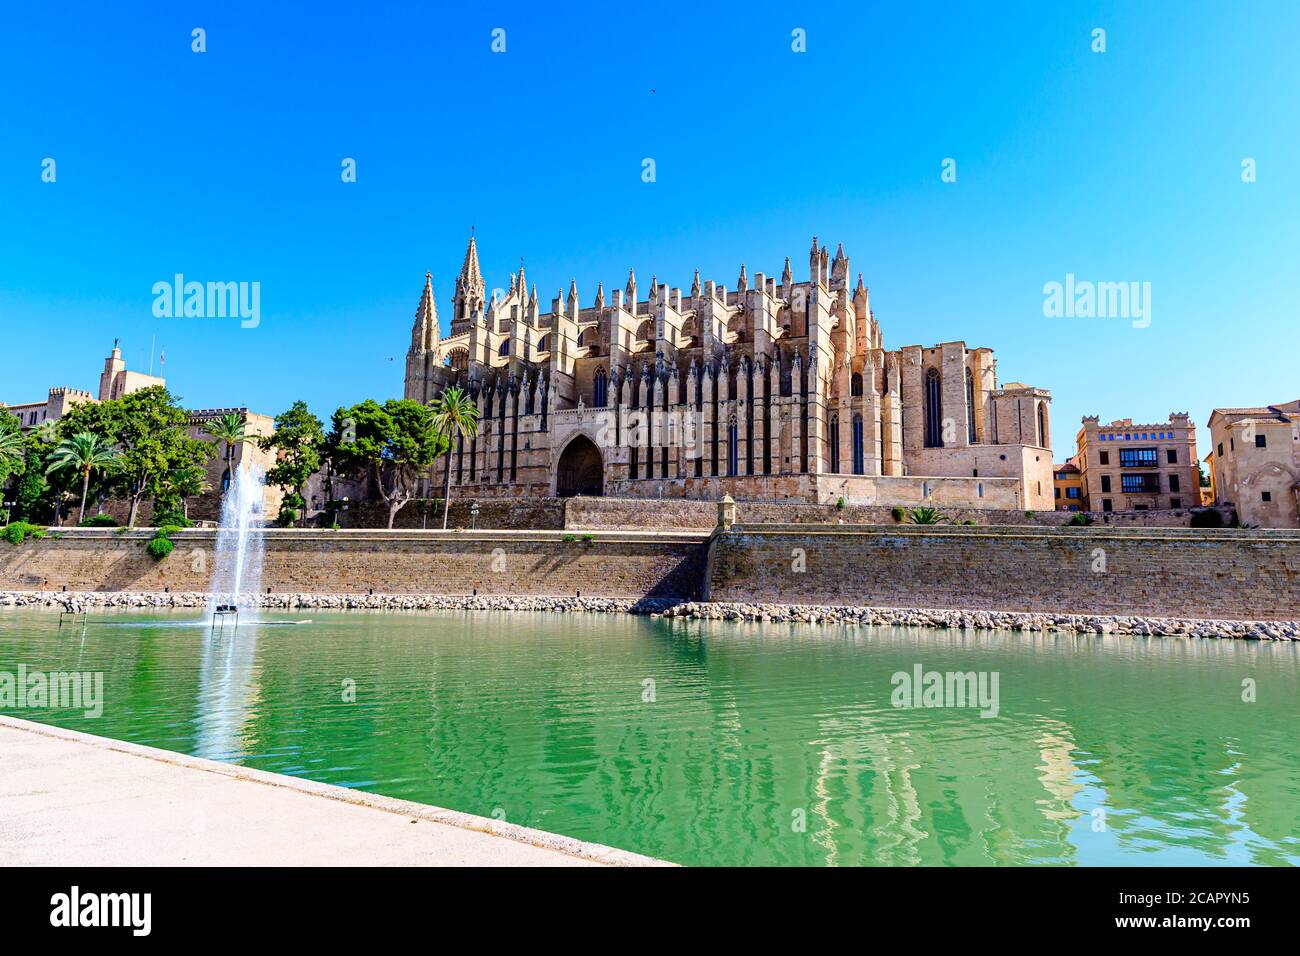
x=1042 y=425
x=544 y=344
x=600 y=390
x=933 y=409
x=733 y=447
x=505 y=348
x=859 y=465
x=855 y=384
x=970 y=407
x=835 y=444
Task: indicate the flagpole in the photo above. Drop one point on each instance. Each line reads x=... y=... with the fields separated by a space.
x=152 y=342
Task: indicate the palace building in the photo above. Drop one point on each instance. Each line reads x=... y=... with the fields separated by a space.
x=773 y=390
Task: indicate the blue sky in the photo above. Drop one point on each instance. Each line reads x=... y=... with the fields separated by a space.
x=225 y=166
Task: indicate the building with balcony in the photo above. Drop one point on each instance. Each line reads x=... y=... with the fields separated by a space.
x=1128 y=467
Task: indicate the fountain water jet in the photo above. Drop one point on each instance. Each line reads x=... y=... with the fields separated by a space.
x=237 y=576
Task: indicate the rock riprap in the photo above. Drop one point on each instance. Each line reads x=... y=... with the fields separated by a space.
x=693 y=610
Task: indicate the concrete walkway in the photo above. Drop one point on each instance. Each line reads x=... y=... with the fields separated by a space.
x=73 y=799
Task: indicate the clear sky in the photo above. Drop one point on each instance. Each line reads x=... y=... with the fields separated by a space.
x=226 y=166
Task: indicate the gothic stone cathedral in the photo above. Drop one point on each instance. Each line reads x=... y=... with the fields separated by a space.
x=776 y=390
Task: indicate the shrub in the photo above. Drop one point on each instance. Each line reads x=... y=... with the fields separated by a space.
x=588 y=537
x=898 y=513
x=1209 y=518
x=839 y=505
x=1079 y=519
x=172 y=519
x=161 y=545
x=568 y=538
x=99 y=521
x=1029 y=515
x=285 y=518
x=18 y=531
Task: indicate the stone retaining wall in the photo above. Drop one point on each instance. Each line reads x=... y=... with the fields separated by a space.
x=522 y=514
x=1233 y=574
x=604 y=564
x=692 y=514
x=1228 y=574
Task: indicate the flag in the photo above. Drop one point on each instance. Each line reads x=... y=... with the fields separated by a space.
x=162 y=359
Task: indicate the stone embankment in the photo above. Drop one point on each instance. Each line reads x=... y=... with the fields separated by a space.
x=107 y=600
x=694 y=610
x=986 y=620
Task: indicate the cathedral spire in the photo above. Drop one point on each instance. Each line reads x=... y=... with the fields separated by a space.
x=840 y=267
x=469 y=299
x=695 y=285
x=424 y=332
x=471 y=276
x=787 y=276
x=600 y=295
x=743 y=282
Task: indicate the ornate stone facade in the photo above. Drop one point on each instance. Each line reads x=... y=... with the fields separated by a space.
x=776 y=389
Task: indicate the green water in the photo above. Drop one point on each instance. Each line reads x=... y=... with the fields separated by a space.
x=771 y=744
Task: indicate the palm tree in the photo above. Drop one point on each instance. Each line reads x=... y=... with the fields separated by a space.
x=85 y=452
x=455 y=417
x=188 y=483
x=229 y=428
x=12 y=452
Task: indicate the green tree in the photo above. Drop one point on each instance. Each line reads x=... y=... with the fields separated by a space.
x=394 y=443
x=175 y=490
x=150 y=430
x=455 y=416
x=299 y=441
x=229 y=430
x=33 y=500
x=13 y=448
x=83 y=453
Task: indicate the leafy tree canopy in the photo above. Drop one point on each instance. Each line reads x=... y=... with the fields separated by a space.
x=395 y=443
x=150 y=429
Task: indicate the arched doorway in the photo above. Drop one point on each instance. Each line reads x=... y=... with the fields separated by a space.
x=580 y=471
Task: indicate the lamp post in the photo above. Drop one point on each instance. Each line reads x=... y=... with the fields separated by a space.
x=473 y=515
